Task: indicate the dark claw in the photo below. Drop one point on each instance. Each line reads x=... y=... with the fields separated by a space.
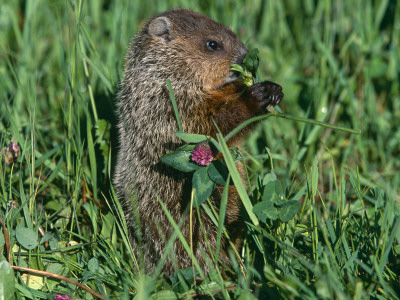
x=263 y=94
x=274 y=91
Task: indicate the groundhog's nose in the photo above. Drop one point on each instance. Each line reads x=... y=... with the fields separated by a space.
x=240 y=58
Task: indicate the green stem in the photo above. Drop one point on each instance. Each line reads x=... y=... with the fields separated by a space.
x=171 y=94
x=274 y=113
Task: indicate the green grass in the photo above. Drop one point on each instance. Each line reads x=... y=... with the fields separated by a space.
x=338 y=62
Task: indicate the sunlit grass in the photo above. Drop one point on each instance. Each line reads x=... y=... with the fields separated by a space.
x=338 y=62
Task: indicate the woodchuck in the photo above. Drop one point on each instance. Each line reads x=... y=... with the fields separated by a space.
x=196 y=54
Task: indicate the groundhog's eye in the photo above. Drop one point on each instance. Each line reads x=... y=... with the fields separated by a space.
x=213 y=45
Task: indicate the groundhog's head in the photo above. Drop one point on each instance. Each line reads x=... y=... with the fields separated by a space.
x=189 y=47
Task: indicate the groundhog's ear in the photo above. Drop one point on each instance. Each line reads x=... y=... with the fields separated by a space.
x=160 y=28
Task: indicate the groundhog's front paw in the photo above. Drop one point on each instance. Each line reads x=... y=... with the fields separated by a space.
x=263 y=94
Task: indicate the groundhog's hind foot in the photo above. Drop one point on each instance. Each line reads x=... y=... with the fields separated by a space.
x=263 y=94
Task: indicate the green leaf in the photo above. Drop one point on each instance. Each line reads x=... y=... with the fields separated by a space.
x=2 y=240
x=175 y=233
x=55 y=205
x=203 y=184
x=7 y=284
x=175 y=106
x=288 y=209
x=21 y=263
x=26 y=237
x=247 y=296
x=274 y=204
x=237 y=180
x=235 y=153
x=55 y=268
x=215 y=144
x=180 y=160
x=269 y=177
x=107 y=229
x=248 y=70
x=92 y=156
x=218 y=172
x=92 y=215
x=272 y=192
x=165 y=295
x=251 y=61
x=181 y=279
x=53 y=243
x=101 y=127
x=103 y=136
x=314 y=177
x=221 y=219
x=191 y=137
x=377 y=68
x=237 y=68
x=47 y=236
x=186 y=147
x=93 y=264
x=264 y=210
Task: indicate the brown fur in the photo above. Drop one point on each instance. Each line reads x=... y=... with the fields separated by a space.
x=173 y=46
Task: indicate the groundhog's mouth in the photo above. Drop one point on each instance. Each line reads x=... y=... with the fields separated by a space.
x=232 y=77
